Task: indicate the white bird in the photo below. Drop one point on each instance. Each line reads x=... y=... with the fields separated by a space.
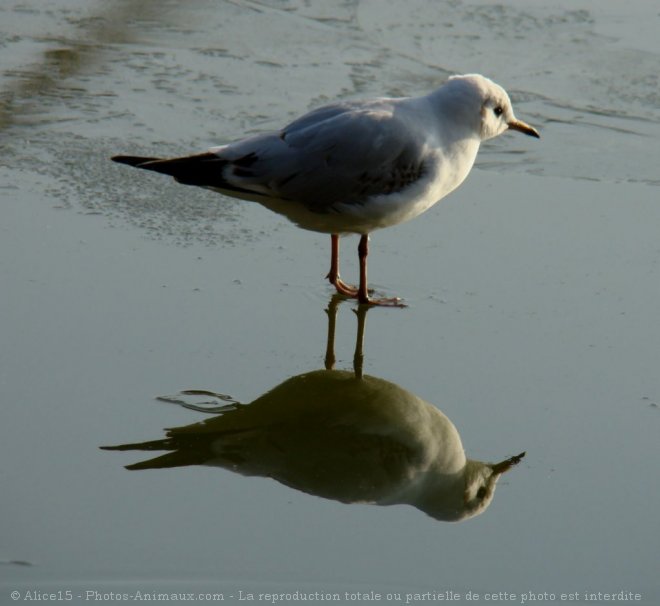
x=356 y=166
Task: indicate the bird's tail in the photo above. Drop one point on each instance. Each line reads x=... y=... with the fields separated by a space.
x=203 y=169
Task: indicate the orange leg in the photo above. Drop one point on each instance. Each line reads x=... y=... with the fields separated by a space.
x=363 y=291
x=333 y=275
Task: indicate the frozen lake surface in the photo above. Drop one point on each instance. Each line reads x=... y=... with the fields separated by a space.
x=533 y=321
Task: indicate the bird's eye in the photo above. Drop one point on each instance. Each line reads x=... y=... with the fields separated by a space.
x=481 y=493
x=498 y=110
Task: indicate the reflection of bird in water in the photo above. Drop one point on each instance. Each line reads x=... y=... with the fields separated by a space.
x=354 y=167
x=342 y=436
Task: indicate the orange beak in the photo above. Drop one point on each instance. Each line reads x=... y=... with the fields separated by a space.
x=523 y=127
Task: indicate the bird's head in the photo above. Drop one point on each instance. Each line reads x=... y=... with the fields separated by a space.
x=493 y=104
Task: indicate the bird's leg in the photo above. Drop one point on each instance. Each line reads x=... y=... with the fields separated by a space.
x=333 y=274
x=363 y=291
x=363 y=251
x=358 y=356
x=330 y=342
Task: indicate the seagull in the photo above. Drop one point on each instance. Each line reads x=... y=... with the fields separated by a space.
x=353 y=167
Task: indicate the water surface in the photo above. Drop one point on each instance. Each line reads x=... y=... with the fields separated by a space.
x=532 y=322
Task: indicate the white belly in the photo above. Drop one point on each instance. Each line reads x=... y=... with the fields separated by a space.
x=442 y=177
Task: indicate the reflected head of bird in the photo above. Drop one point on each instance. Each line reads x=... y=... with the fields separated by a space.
x=468 y=493
x=480 y=481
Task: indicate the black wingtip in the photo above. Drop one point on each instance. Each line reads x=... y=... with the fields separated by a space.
x=132 y=160
x=203 y=170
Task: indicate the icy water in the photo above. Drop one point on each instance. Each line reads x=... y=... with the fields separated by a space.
x=533 y=322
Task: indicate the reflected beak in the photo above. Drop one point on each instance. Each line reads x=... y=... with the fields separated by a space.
x=523 y=127
x=508 y=464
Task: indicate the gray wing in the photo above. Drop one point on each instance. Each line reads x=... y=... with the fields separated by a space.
x=338 y=153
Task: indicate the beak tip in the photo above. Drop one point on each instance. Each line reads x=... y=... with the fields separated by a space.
x=504 y=466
